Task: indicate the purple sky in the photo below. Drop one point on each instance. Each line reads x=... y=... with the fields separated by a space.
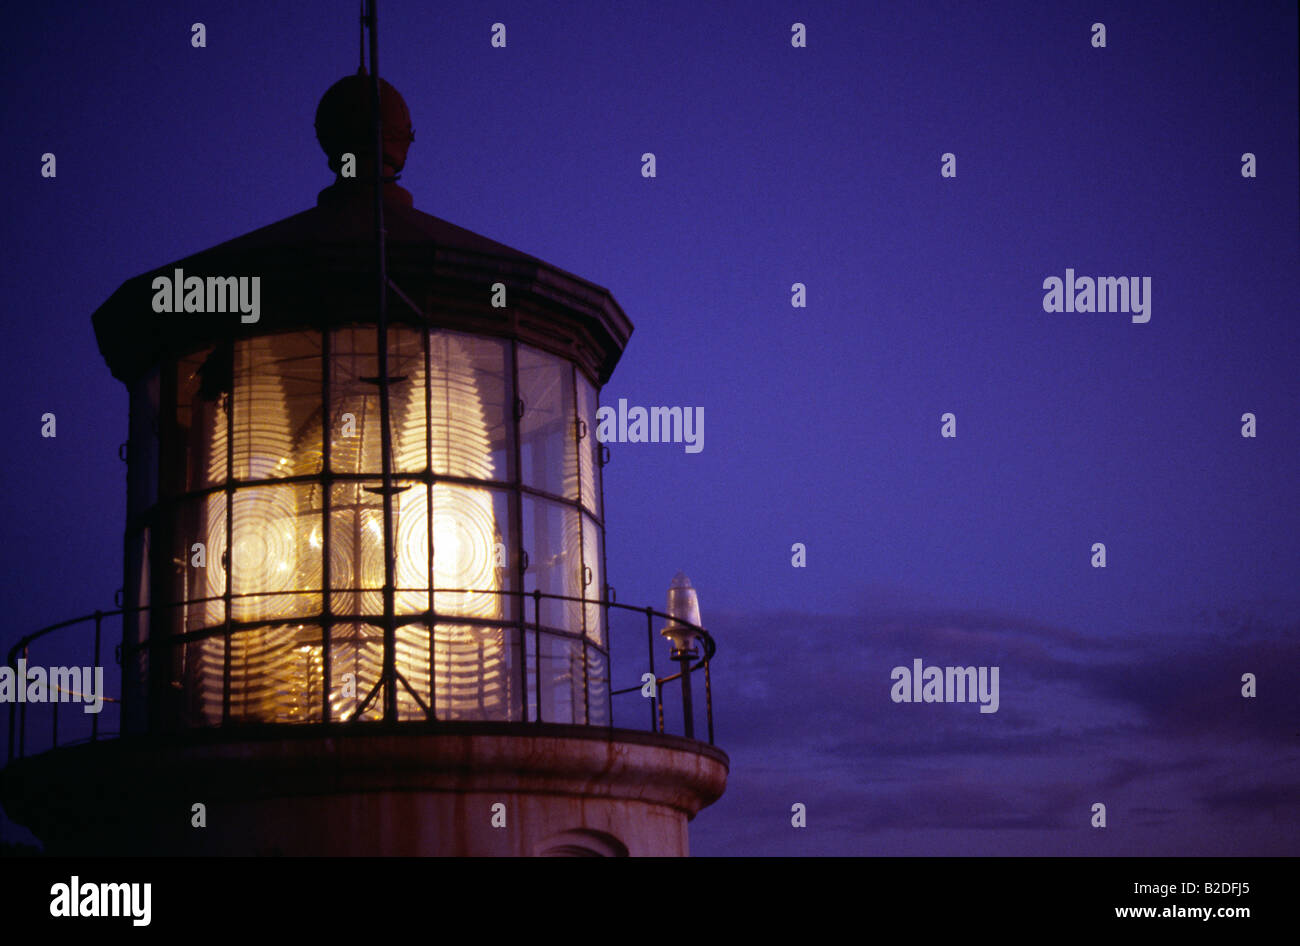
x=776 y=165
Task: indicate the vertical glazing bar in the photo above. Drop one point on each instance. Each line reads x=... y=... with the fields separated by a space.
x=576 y=421
x=537 y=647
x=433 y=612
x=385 y=422
x=327 y=503
x=579 y=431
x=229 y=553
x=517 y=527
x=688 y=707
x=94 y=717
x=606 y=590
x=428 y=520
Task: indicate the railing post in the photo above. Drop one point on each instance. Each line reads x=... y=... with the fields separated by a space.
x=609 y=657
x=521 y=622
x=656 y=707
x=708 y=699
x=537 y=649
x=688 y=707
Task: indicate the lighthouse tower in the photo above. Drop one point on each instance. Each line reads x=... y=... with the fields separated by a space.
x=366 y=608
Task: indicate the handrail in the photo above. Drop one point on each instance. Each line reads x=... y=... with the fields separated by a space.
x=709 y=643
x=17 y=726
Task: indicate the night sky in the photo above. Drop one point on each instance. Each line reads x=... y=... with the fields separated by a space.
x=778 y=165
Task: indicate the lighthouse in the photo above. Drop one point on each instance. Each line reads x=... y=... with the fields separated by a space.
x=365 y=606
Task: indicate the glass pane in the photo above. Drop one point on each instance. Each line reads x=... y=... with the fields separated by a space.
x=597 y=688
x=356 y=549
x=469 y=404
x=411 y=541
x=205 y=674
x=357 y=523
x=412 y=659
x=203 y=382
x=199 y=573
x=276 y=552
x=554 y=562
x=277 y=406
x=593 y=575
x=562 y=680
x=505 y=561
x=354 y=404
x=475 y=678
x=201 y=520
x=470 y=552
x=588 y=446
x=547 y=450
x=276 y=674
x=513 y=683
x=354 y=423
x=356 y=664
x=407 y=399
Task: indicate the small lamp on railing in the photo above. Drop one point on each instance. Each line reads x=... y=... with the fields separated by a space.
x=682 y=632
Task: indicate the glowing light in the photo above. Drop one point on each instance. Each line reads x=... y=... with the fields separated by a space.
x=277 y=668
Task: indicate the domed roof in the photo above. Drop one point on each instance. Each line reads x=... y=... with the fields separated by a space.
x=344 y=122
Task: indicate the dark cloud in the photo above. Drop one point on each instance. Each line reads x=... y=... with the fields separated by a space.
x=1145 y=722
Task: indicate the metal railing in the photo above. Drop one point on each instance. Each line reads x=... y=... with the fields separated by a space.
x=689 y=664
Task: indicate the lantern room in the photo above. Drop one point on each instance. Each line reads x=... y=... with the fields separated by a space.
x=256 y=507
